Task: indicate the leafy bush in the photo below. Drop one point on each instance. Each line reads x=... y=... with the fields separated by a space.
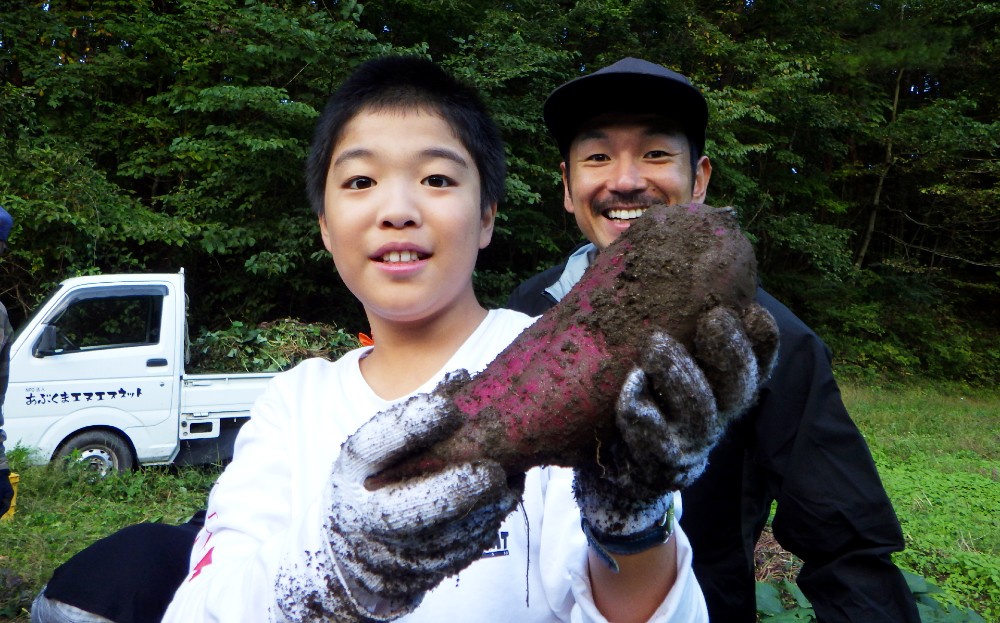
x=888 y=323
x=267 y=347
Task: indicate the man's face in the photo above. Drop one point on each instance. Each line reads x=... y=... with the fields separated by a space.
x=619 y=165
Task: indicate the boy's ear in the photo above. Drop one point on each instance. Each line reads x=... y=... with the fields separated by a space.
x=324 y=232
x=486 y=231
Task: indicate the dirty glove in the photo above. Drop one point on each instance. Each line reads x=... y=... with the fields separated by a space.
x=394 y=544
x=670 y=413
x=6 y=491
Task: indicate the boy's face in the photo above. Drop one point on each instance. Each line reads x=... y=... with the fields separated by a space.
x=402 y=214
x=619 y=165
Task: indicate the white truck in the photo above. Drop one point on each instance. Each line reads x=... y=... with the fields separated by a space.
x=100 y=368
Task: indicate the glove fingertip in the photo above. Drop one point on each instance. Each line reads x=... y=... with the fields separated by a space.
x=762 y=330
x=633 y=389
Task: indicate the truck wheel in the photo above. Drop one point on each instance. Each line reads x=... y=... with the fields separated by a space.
x=101 y=451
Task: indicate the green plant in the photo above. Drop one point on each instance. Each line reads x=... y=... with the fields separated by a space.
x=267 y=347
x=933 y=611
x=783 y=601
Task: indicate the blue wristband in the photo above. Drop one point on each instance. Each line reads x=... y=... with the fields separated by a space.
x=606 y=545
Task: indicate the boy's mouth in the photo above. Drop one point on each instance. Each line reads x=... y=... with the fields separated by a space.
x=399 y=257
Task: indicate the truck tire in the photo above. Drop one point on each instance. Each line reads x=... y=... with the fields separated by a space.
x=100 y=450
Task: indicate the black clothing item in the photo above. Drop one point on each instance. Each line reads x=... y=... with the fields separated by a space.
x=798 y=446
x=140 y=568
x=6 y=491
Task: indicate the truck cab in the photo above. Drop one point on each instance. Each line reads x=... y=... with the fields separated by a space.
x=99 y=368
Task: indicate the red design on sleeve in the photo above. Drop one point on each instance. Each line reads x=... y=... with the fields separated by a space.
x=204 y=562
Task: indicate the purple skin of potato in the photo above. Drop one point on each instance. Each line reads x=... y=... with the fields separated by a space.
x=548 y=398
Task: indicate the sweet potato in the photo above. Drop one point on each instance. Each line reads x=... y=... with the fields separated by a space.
x=548 y=398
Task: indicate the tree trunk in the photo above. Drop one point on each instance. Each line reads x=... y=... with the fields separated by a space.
x=883 y=173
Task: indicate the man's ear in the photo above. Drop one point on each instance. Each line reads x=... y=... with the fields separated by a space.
x=702 y=175
x=567 y=197
x=324 y=232
x=489 y=218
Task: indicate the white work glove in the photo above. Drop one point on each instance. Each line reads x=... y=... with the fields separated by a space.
x=672 y=410
x=392 y=545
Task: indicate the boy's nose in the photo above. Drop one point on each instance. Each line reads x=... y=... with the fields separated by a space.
x=399 y=209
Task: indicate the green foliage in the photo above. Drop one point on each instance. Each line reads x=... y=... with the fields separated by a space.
x=953 y=504
x=895 y=320
x=933 y=611
x=267 y=347
x=782 y=601
x=859 y=142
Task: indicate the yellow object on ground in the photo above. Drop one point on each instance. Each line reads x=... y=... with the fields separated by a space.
x=13 y=502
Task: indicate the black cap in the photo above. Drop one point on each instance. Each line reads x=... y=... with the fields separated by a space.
x=631 y=86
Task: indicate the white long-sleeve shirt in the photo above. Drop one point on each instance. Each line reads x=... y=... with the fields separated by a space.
x=266 y=512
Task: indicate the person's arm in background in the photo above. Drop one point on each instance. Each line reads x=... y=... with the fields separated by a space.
x=832 y=510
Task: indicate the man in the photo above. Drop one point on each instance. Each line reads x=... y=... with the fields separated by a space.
x=632 y=134
x=6 y=489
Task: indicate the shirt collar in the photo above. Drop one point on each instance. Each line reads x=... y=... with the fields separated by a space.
x=577 y=263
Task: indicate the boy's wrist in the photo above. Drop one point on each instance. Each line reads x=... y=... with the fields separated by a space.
x=606 y=544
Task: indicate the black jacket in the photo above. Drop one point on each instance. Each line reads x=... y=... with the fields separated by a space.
x=799 y=447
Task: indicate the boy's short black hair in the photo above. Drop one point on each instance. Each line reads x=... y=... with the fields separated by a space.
x=409 y=82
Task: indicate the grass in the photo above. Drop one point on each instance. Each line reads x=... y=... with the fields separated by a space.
x=938 y=453
x=937 y=448
x=63 y=508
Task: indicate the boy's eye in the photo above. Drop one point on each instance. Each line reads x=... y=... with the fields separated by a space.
x=658 y=154
x=597 y=158
x=438 y=181
x=359 y=183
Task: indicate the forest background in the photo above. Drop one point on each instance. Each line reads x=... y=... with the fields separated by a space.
x=858 y=140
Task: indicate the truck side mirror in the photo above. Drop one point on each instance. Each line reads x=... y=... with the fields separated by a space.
x=46 y=345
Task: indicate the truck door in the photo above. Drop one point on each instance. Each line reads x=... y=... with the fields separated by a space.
x=104 y=359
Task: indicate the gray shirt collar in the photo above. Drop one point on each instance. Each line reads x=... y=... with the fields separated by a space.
x=577 y=263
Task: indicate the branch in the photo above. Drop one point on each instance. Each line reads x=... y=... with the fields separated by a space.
x=918 y=247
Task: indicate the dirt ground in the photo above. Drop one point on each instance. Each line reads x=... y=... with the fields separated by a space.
x=772 y=563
